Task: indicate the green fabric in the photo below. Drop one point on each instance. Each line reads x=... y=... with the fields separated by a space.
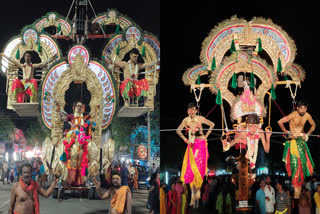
x=285 y=77
x=228 y=206
x=199 y=80
x=18 y=54
x=126 y=90
x=59 y=28
x=118 y=28
x=118 y=50
x=279 y=66
x=87 y=172
x=218 y=98
x=303 y=152
x=213 y=64
x=252 y=80
x=260 y=46
x=273 y=93
x=233 y=47
x=16 y=92
x=39 y=47
x=143 y=93
x=143 y=52
x=63 y=157
x=234 y=83
x=42 y=30
x=33 y=97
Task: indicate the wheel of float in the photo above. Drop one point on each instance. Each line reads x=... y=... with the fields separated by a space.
x=84 y=193
x=92 y=193
x=55 y=193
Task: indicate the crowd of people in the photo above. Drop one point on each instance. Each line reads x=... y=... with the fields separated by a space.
x=269 y=195
x=10 y=172
x=274 y=196
x=217 y=196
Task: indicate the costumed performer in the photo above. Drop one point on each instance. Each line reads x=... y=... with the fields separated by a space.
x=28 y=85
x=248 y=138
x=194 y=166
x=296 y=154
x=131 y=86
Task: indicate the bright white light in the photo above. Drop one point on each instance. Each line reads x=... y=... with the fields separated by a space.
x=7 y=156
x=179 y=173
x=8 y=52
x=167 y=177
x=128 y=160
x=14 y=156
x=122 y=159
x=29 y=154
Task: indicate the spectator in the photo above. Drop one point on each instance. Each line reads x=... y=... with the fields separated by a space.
x=163 y=199
x=153 y=200
x=224 y=204
x=5 y=169
x=153 y=169
x=261 y=199
x=135 y=179
x=124 y=175
x=172 y=200
x=179 y=190
x=270 y=196
x=282 y=200
x=43 y=176
x=317 y=199
x=304 y=204
x=16 y=172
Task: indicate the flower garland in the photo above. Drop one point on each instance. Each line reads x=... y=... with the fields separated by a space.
x=253 y=157
x=246 y=98
x=82 y=139
x=134 y=73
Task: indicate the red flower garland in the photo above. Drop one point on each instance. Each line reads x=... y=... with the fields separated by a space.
x=67 y=147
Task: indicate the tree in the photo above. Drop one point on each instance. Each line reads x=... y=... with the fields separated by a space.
x=6 y=126
x=121 y=129
x=34 y=133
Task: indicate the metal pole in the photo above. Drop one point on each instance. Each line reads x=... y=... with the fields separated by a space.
x=149 y=138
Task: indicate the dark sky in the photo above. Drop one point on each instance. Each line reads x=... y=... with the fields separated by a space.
x=14 y=15
x=185 y=26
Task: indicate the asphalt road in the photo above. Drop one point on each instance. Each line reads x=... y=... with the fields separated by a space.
x=74 y=203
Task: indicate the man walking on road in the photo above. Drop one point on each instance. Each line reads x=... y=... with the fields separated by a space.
x=120 y=195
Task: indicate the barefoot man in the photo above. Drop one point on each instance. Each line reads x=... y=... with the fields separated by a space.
x=24 y=195
x=131 y=86
x=120 y=195
x=296 y=154
x=197 y=152
x=248 y=137
x=28 y=85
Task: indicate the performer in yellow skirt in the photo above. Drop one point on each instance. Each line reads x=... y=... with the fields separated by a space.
x=194 y=166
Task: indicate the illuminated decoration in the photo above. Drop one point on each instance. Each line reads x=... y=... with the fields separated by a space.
x=10 y=48
x=142 y=152
x=139 y=137
x=79 y=49
x=30 y=33
x=263 y=171
x=133 y=31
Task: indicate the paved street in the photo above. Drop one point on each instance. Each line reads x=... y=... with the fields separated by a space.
x=75 y=204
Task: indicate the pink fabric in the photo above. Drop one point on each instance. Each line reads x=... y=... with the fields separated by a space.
x=201 y=159
x=179 y=190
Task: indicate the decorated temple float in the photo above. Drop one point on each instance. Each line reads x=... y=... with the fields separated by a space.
x=52 y=68
x=245 y=62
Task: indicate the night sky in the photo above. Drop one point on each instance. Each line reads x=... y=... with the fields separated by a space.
x=185 y=26
x=14 y=15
